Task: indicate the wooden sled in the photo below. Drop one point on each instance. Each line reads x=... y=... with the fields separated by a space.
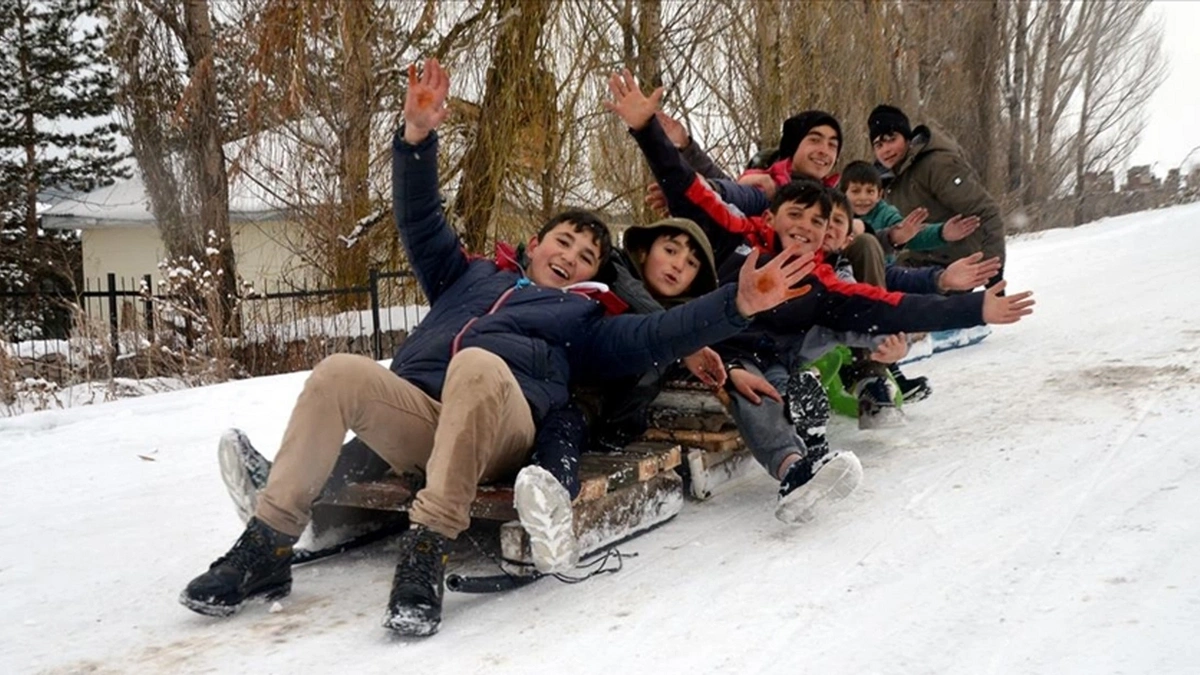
x=622 y=494
x=713 y=452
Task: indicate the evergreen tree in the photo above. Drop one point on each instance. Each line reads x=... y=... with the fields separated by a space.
x=56 y=135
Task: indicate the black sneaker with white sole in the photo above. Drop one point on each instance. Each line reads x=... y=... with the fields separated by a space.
x=811 y=483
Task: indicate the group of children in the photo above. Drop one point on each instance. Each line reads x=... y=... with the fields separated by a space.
x=525 y=360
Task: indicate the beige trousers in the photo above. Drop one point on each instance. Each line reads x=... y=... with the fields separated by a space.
x=482 y=430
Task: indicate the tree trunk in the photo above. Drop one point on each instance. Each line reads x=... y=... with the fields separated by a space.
x=487 y=158
x=1017 y=86
x=357 y=37
x=205 y=143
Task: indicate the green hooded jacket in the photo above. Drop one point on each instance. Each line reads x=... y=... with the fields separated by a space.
x=935 y=175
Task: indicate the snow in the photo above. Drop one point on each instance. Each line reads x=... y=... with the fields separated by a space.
x=1037 y=515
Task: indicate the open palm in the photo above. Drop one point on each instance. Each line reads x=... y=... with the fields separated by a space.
x=425 y=102
x=629 y=103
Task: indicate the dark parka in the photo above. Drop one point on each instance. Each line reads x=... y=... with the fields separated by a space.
x=935 y=175
x=544 y=335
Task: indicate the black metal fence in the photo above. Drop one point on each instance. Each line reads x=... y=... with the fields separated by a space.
x=299 y=325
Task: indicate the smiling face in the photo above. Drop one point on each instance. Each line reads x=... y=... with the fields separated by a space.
x=671 y=265
x=838 y=231
x=796 y=223
x=890 y=149
x=563 y=256
x=863 y=197
x=817 y=152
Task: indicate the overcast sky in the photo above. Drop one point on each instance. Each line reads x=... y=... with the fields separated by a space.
x=1174 y=123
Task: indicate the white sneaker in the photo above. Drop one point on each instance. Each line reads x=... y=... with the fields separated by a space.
x=807 y=487
x=243 y=470
x=544 y=507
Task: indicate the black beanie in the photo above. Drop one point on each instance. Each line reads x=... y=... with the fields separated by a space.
x=887 y=119
x=798 y=126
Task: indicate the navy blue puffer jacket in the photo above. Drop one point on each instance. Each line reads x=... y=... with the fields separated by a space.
x=545 y=335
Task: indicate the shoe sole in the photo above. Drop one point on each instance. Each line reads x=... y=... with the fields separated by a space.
x=236 y=456
x=544 y=509
x=410 y=622
x=833 y=482
x=211 y=609
x=918 y=394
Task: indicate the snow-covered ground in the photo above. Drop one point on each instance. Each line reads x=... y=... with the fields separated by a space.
x=1038 y=515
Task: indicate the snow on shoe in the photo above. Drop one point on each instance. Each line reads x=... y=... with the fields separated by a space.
x=810 y=484
x=544 y=507
x=243 y=470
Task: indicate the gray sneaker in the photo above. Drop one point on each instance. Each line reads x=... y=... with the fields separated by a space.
x=544 y=507
x=243 y=470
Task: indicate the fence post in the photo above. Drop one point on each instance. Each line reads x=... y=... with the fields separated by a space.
x=376 y=338
x=149 y=306
x=112 y=313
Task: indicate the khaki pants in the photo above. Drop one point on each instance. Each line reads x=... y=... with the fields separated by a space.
x=482 y=430
x=866 y=257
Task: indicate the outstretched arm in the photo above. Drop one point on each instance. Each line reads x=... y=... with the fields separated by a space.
x=433 y=247
x=687 y=195
x=630 y=343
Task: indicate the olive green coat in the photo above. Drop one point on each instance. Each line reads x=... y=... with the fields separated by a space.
x=935 y=175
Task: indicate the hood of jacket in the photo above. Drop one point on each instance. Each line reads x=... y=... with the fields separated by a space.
x=926 y=140
x=638 y=239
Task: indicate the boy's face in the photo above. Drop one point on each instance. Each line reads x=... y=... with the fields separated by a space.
x=817 y=152
x=563 y=257
x=838 y=231
x=671 y=266
x=863 y=197
x=799 y=224
x=890 y=149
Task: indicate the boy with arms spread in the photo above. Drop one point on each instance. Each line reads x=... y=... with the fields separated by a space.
x=467 y=388
x=798 y=217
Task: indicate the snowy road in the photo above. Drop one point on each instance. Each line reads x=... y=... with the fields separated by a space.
x=1038 y=515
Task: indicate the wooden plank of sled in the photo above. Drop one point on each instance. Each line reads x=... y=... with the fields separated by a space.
x=494 y=502
x=390 y=493
x=715 y=441
x=592 y=484
x=637 y=463
x=616 y=516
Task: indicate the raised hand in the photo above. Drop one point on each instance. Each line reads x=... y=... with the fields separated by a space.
x=656 y=200
x=1006 y=308
x=629 y=103
x=908 y=228
x=678 y=133
x=968 y=273
x=707 y=366
x=750 y=385
x=892 y=349
x=425 y=102
x=761 y=288
x=959 y=227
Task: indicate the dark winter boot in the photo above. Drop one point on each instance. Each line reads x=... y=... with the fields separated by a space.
x=415 y=606
x=811 y=483
x=258 y=565
x=913 y=389
x=876 y=407
x=243 y=470
x=808 y=410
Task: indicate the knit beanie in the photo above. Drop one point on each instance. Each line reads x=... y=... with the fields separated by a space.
x=798 y=126
x=886 y=119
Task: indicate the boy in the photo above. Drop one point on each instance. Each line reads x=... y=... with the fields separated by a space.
x=798 y=216
x=930 y=172
x=467 y=388
x=862 y=185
